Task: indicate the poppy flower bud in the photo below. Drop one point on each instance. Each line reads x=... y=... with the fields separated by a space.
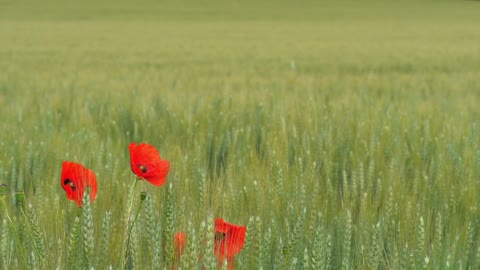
x=3 y=189
x=20 y=198
x=143 y=196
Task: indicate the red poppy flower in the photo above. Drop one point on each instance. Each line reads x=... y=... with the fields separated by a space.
x=75 y=178
x=147 y=165
x=180 y=240
x=229 y=241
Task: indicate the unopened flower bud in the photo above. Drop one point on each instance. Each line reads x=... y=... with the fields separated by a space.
x=143 y=196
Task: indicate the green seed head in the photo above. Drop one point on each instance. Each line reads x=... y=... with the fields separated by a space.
x=20 y=196
x=3 y=189
x=143 y=196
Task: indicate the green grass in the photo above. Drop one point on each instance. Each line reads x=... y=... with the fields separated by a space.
x=344 y=134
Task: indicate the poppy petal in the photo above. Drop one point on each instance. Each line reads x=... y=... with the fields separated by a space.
x=229 y=239
x=157 y=180
x=75 y=177
x=158 y=175
x=146 y=163
x=180 y=240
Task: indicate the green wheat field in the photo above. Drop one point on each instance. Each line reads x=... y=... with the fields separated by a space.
x=342 y=134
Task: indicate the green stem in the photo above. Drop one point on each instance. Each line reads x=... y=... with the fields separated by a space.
x=142 y=198
x=128 y=232
x=132 y=191
x=20 y=247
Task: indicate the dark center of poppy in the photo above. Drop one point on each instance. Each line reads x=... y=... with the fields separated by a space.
x=143 y=168
x=69 y=182
x=219 y=236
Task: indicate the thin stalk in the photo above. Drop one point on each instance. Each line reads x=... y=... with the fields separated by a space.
x=143 y=195
x=125 y=248
x=132 y=191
